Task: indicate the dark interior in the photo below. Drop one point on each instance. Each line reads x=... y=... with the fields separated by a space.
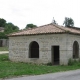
x=75 y=50
x=0 y=43
x=34 y=50
x=55 y=55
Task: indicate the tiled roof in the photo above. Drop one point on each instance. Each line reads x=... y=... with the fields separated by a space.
x=47 y=29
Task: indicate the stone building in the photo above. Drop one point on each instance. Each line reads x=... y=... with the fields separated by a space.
x=46 y=44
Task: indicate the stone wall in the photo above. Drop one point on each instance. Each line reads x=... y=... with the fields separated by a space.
x=70 y=41
x=19 y=47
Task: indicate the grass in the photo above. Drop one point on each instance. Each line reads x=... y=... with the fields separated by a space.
x=3 y=48
x=11 y=69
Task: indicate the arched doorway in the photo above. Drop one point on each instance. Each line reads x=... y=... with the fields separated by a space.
x=75 y=50
x=34 y=50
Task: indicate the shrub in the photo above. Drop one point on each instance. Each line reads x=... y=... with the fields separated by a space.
x=70 y=62
x=49 y=64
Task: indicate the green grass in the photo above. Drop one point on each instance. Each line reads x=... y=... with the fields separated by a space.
x=3 y=48
x=11 y=69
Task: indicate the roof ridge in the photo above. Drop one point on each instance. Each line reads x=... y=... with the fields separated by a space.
x=60 y=27
x=45 y=25
x=76 y=28
x=36 y=27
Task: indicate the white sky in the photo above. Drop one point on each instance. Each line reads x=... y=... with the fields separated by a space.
x=39 y=12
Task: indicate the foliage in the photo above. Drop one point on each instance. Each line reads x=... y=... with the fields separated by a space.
x=70 y=62
x=73 y=62
x=68 y=22
x=10 y=69
x=49 y=64
x=2 y=22
x=3 y=35
x=30 y=26
x=9 y=28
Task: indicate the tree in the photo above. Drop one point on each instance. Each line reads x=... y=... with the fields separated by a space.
x=53 y=21
x=68 y=22
x=3 y=35
x=9 y=28
x=2 y=22
x=30 y=26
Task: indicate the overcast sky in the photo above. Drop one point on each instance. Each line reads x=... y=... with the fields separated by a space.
x=39 y=12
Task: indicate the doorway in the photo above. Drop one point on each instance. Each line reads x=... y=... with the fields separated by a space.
x=34 y=50
x=75 y=50
x=55 y=55
x=1 y=43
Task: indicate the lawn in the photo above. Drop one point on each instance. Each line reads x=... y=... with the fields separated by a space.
x=11 y=69
x=3 y=48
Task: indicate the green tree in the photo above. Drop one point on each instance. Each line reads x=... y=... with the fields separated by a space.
x=3 y=35
x=2 y=22
x=68 y=22
x=9 y=28
x=30 y=26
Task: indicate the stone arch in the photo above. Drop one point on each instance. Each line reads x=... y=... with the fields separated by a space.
x=34 y=50
x=75 y=50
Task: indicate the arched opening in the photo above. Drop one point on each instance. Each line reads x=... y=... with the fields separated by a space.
x=1 y=43
x=34 y=50
x=75 y=50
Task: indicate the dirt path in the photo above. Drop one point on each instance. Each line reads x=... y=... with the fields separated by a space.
x=3 y=52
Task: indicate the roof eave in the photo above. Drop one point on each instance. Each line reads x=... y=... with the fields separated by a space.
x=36 y=34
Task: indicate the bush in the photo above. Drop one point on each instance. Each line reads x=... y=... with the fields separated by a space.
x=73 y=62
x=49 y=64
x=70 y=62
